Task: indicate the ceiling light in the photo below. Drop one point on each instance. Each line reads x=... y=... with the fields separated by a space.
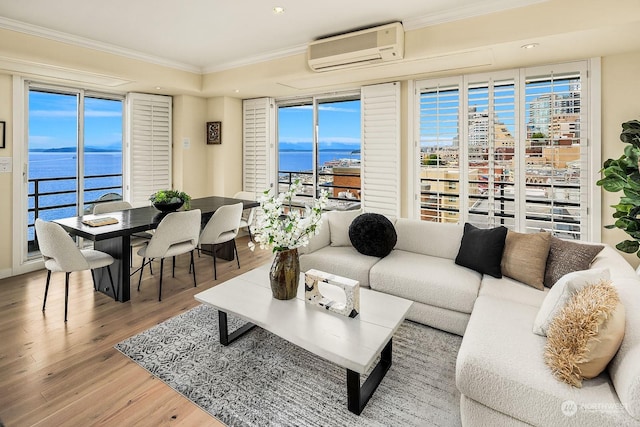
x=158 y=88
x=278 y=10
x=529 y=46
x=236 y=90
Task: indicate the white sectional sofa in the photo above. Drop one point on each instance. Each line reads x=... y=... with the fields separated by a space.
x=500 y=369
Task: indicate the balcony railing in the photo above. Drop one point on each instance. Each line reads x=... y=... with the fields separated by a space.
x=338 y=198
x=541 y=212
x=51 y=198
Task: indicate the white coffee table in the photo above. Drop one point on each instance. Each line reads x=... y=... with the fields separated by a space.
x=353 y=344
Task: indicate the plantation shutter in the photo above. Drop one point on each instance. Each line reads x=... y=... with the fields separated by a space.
x=258 y=160
x=557 y=162
x=148 y=164
x=491 y=131
x=439 y=171
x=381 y=149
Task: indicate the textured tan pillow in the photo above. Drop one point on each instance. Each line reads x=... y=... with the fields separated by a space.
x=525 y=257
x=561 y=293
x=584 y=337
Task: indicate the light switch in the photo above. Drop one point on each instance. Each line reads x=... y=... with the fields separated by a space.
x=5 y=164
x=186 y=143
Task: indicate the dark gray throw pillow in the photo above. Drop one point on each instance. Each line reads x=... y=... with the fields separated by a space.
x=481 y=249
x=372 y=234
x=567 y=256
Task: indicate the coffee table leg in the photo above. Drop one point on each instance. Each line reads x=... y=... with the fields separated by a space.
x=227 y=338
x=358 y=396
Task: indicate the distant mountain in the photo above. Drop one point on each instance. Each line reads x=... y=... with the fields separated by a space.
x=88 y=149
x=308 y=146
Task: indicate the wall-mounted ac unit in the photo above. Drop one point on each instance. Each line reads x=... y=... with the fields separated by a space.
x=370 y=46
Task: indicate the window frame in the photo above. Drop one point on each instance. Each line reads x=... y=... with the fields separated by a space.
x=314 y=101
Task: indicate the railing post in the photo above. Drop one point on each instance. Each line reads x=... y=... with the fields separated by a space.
x=36 y=195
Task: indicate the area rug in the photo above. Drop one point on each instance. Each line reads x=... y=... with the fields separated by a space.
x=262 y=380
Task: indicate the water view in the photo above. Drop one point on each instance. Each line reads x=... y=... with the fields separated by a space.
x=45 y=165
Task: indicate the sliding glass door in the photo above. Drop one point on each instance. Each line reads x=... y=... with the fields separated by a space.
x=74 y=154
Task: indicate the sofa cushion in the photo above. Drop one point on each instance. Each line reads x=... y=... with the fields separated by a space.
x=339 y=222
x=500 y=365
x=429 y=280
x=586 y=334
x=343 y=261
x=511 y=290
x=372 y=234
x=566 y=256
x=481 y=249
x=319 y=240
x=561 y=293
x=429 y=238
x=525 y=257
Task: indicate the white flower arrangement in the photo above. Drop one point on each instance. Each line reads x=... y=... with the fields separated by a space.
x=283 y=231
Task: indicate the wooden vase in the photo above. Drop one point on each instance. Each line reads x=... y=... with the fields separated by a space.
x=285 y=274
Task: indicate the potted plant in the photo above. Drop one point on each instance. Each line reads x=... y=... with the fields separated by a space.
x=170 y=200
x=623 y=175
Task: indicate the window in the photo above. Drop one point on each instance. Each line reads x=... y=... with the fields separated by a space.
x=507 y=148
x=319 y=143
x=74 y=153
x=347 y=143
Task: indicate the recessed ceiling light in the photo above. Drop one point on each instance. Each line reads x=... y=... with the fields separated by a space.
x=278 y=10
x=529 y=46
x=236 y=90
x=158 y=88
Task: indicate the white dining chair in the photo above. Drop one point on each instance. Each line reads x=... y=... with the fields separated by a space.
x=222 y=227
x=137 y=239
x=177 y=234
x=61 y=253
x=246 y=221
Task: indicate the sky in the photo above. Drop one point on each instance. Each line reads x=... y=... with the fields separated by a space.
x=338 y=126
x=53 y=121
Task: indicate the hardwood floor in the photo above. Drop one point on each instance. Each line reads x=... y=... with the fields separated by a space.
x=57 y=374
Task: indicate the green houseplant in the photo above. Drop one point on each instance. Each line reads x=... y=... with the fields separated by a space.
x=170 y=200
x=622 y=175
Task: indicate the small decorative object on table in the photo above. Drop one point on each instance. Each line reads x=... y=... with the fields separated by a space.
x=351 y=289
x=170 y=200
x=285 y=233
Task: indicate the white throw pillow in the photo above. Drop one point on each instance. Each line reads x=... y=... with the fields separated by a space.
x=561 y=293
x=339 y=222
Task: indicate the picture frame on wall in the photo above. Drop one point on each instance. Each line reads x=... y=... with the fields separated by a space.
x=214 y=132
x=3 y=126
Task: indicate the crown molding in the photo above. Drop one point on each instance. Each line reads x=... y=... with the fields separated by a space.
x=275 y=54
x=59 y=36
x=457 y=14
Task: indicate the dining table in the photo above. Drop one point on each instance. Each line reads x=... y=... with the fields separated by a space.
x=115 y=238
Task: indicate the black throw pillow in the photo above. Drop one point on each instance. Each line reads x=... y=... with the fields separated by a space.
x=481 y=249
x=372 y=234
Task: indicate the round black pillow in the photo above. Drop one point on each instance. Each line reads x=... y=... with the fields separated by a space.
x=372 y=234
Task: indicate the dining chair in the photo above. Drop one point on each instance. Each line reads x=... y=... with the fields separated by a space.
x=61 y=253
x=222 y=227
x=177 y=234
x=137 y=239
x=246 y=221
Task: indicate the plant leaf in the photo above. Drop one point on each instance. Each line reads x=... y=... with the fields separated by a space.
x=628 y=246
